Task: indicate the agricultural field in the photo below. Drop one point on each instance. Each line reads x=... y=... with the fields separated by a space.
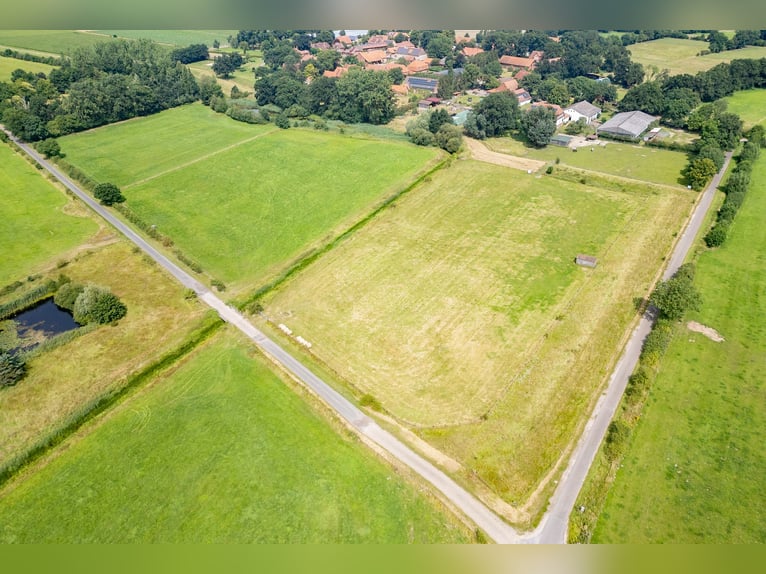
x=750 y=105
x=694 y=472
x=461 y=311
x=8 y=65
x=679 y=56
x=49 y=41
x=174 y=37
x=245 y=210
x=128 y=152
x=219 y=450
x=62 y=382
x=622 y=159
x=39 y=221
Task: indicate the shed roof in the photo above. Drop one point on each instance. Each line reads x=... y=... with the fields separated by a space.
x=630 y=124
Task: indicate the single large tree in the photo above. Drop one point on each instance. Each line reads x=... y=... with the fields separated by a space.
x=501 y=113
x=108 y=193
x=538 y=125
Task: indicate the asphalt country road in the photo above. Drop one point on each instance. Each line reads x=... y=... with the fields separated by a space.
x=553 y=526
x=461 y=499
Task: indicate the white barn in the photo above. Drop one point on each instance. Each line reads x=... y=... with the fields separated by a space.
x=584 y=110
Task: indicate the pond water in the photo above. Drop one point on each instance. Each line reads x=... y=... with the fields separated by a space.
x=41 y=322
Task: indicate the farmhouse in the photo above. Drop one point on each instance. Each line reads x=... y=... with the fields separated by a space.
x=628 y=125
x=471 y=52
x=523 y=96
x=517 y=62
x=584 y=110
x=373 y=57
x=508 y=85
x=417 y=66
x=561 y=117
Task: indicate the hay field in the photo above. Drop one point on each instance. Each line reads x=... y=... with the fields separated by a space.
x=461 y=310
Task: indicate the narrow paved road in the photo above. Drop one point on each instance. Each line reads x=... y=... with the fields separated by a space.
x=470 y=506
x=553 y=526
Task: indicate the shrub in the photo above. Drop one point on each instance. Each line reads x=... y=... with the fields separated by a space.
x=637 y=382
x=368 y=400
x=49 y=148
x=98 y=305
x=421 y=136
x=218 y=284
x=108 y=194
x=717 y=234
x=549 y=170
x=67 y=295
x=282 y=122
x=616 y=439
x=655 y=343
x=12 y=369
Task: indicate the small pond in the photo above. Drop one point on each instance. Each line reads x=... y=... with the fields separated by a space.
x=35 y=325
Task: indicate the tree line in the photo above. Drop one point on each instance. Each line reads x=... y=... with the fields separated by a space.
x=104 y=83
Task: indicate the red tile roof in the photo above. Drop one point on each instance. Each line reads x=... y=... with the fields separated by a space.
x=517 y=62
x=471 y=52
x=417 y=66
x=374 y=56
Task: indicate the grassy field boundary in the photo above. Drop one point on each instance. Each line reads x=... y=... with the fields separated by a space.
x=309 y=257
x=208 y=326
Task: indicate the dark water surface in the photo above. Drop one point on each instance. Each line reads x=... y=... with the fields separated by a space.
x=43 y=321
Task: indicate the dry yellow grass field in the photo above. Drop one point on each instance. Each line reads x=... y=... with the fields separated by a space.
x=461 y=310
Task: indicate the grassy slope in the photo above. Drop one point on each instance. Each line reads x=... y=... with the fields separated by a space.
x=136 y=149
x=52 y=41
x=8 y=65
x=176 y=37
x=680 y=56
x=625 y=160
x=750 y=105
x=220 y=451
x=61 y=381
x=466 y=290
x=35 y=226
x=695 y=471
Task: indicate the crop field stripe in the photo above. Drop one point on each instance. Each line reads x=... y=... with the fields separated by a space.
x=201 y=158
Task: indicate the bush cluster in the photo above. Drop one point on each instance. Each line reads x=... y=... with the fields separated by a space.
x=736 y=188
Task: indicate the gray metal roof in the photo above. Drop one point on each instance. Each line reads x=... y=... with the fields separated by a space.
x=585 y=108
x=631 y=124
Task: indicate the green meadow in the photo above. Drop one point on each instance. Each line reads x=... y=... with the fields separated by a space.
x=244 y=200
x=51 y=41
x=220 y=450
x=750 y=105
x=8 y=65
x=680 y=56
x=175 y=37
x=621 y=159
x=695 y=470
x=39 y=221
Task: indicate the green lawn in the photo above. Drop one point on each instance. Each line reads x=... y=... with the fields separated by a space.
x=219 y=451
x=8 y=65
x=136 y=149
x=626 y=160
x=246 y=212
x=750 y=105
x=680 y=56
x=52 y=41
x=695 y=472
x=176 y=37
x=461 y=310
x=39 y=221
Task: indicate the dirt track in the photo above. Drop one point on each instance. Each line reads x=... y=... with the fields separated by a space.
x=480 y=152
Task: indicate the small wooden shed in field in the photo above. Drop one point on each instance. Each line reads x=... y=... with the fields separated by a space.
x=586 y=260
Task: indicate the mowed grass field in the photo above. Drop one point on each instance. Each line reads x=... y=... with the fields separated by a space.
x=51 y=41
x=219 y=451
x=175 y=37
x=461 y=310
x=620 y=159
x=8 y=65
x=244 y=209
x=62 y=382
x=131 y=151
x=679 y=56
x=695 y=470
x=39 y=221
x=750 y=105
